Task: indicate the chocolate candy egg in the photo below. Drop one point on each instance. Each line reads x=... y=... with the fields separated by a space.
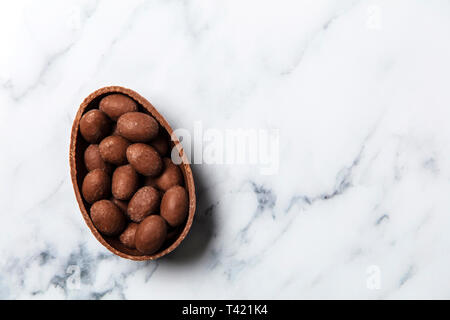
x=161 y=144
x=94 y=126
x=175 y=206
x=150 y=234
x=96 y=185
x=107 y=218
x=124 y=182
x=137 y=126
x=127 y=236
x=93 y=159
x=144 y=159
x=116 y=105
x=170 y=177
x=144 y=202
x=113 y=149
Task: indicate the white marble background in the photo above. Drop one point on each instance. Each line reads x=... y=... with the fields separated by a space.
x=360 y=207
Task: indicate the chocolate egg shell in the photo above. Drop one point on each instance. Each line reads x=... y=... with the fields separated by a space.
x=96 y=186
x=137 y=126
x=144 y=159
x=107 y=218
x=170 y=177
x=128 y=235
x=78 y=171
x=144 y=202
x=175 y=206
x=150 y=234
x=124 y=182
x=93 y=159
x=94 y=126
x=113 y=150
x=115 y=105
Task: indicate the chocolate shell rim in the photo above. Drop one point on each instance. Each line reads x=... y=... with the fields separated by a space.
x=185 y=168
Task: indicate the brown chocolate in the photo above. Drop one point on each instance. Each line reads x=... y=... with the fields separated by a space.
x=170 y=177
x=122 y=205
x=115 y=105
x=150 y=234
x=93 y=159
x=94 y=126
x=113 y=150
x=96 y=186
x=144 y=202
x=124 y=182
x=161 y=144
x=137 y=126
x=175 y=206
x=107 y=217
x=144 y=159
x=128 y=235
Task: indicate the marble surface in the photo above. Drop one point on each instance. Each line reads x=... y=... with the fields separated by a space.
x=359 y=91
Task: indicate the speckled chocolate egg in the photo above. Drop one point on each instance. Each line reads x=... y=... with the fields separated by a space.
x=175 y=206
x=137 y=126
x=170 y=177
x=144 y=202
x=115 y=105
x=113 y=149
x=107 y=217
x=128 y=235
x=94 y=126
x=96 y=186
x=161 y=144
x=150 y=234
x=144 y=159
x=124 y=182
x=93 y=159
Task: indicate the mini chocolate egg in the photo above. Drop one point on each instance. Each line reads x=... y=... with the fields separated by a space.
x=137 y=126
x=96 y=186
x=122 y=205
x=107 y=217
x=127 y=236
x=144 y=202
x=124 y=182
x=170 y=177
x=93 y=159
x=115 y=105
x=94 y=126
x=113 y=149
x=161 y=144
x=175 y=206
x=150 y=234
x=144 y=159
